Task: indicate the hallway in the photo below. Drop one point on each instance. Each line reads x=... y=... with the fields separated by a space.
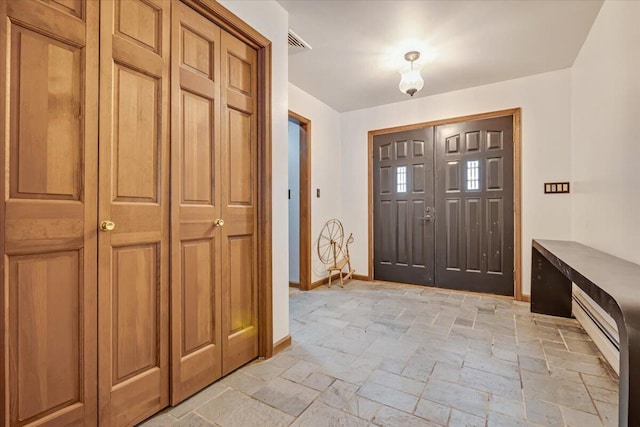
x=395 y=355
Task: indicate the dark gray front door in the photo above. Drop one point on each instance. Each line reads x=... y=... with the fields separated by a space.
x=474 y=203
x=403 y=207
x=464 y=171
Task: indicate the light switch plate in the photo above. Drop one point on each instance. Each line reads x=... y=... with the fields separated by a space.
x=556 y=187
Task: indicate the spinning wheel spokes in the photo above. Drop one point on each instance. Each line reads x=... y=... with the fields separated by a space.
x=330 y=241
x=334 y=251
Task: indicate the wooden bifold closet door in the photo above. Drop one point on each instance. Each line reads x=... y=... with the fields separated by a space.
x=196 y=243
x=214 y=196
x=133 y=194
x=129 y=211
x=49 y=84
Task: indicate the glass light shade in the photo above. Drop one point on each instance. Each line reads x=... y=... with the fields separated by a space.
x=411 y=81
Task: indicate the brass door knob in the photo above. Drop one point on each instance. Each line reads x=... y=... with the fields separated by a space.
x=219 y=222
x=107 y=225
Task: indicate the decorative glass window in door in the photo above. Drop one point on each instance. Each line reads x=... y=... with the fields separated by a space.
x=473 y=175
x=401 y=179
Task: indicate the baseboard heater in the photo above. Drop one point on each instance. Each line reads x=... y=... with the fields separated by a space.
x=599 y=325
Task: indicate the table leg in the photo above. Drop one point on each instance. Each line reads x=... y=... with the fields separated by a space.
x=550 y=289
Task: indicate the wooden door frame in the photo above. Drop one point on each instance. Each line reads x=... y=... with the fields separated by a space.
x=4 y=376
x=231 y=23
x=305 y=201
x=517 y=184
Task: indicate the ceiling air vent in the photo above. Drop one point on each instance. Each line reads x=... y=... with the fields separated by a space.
x=296 y=44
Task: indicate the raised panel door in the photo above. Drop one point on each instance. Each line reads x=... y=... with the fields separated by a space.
x=195 y=203
x=465 y=170
x=474 y=199
x=403 y=214
x=133 y=266
x=238 y=199
x=49 y=75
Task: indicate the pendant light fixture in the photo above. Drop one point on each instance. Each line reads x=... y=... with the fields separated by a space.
x=411 y=80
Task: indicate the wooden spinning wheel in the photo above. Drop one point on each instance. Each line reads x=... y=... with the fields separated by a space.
x=333 y=251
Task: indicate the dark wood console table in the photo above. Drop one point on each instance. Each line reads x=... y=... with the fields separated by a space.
x=611 y=282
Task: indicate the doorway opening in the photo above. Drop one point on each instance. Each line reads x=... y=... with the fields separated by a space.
x=299 y=201
x=427 y=172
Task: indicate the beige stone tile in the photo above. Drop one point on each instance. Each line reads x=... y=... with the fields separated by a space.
x=459 y=418
x=491 y=364
x=265 y=370
x=397 y=382
x=447 y=371
x=287 y=396
x=530 y=348
x=543 y=413
x=322 y=356
x=395 y=366
x=338 y=394
x=493 y=383
x=346 y=373
x=506 y=355
x=505 y=342
x=418 y=368
x=608 y=413
x=300 y=371
x=576 y=335
x=432 y=411
x=389 y=397
x=502 y=405
x=570 y=394
x=318 y=381
x=233 y=409
x=193 y=420
x=321 y=415
x=439 y=355
x=285 y=359
x=564 y=374
x=197 y=400
x=362 y=407
x=470 y=333
x=243 y=382
x=575 y=418
x=160 y=420
x=368 y=362
x=389 y=348
x=571 y=364
x=551 y=346
x=533 y=364
x=607 y=382
x=497 y=419
x=553 y=354
x=604 y=395
x=346 y=345
x=457 y=396
x=390 y=417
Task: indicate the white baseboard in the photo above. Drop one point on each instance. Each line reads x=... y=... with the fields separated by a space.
x=599 y=325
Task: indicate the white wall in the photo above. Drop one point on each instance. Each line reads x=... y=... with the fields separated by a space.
x=326 y=162
x=546 y=150
x=272 y=21
x=294 y=202
x=606 y=133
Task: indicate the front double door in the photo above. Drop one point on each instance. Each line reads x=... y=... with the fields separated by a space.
x=443 y=206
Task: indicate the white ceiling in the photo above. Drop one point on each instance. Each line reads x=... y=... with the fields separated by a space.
x=358 y=46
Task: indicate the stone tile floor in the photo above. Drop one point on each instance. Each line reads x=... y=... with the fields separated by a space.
x=376 y=354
